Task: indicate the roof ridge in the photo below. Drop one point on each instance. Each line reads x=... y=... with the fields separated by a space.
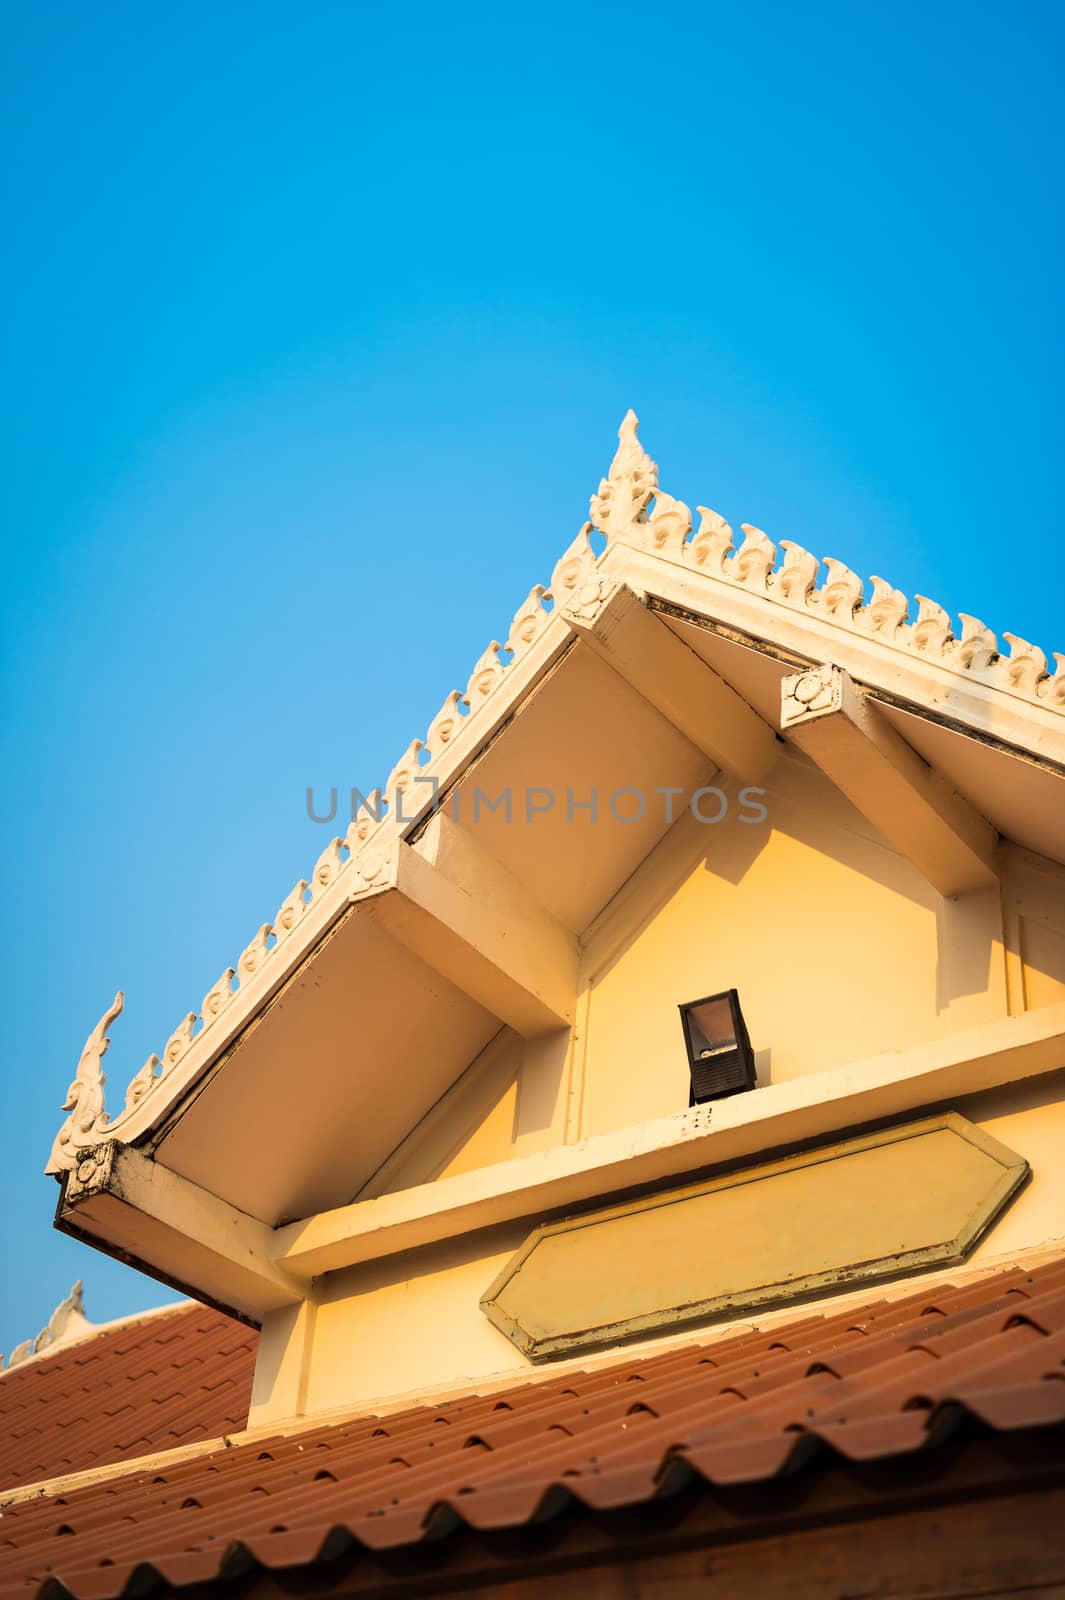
x=81 y=1330
x=66 y=1323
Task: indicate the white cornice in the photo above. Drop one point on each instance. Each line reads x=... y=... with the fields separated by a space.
x=650 y=541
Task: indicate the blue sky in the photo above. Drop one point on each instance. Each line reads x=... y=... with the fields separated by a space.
x=321 y=321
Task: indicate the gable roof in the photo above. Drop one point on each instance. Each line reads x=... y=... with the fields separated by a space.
x=170 y=1378
x=767 y=615
x=885 y=1382
x=670 y=658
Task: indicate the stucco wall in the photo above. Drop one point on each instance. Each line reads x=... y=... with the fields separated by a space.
x=411 y=1324
x=839 y=951
x=838 y=947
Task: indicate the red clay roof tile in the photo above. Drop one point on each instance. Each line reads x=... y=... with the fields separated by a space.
x=172 y=1378
x=873 y=1383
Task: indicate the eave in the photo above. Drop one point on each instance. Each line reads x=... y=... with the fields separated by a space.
x=129 y=1206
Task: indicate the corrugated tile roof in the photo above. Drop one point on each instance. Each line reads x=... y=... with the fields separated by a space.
x=879 y=1381
x=169 y=1379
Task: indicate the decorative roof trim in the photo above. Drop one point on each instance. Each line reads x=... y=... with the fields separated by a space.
x=631 y=511
x=67 y=1322
x=620 y=510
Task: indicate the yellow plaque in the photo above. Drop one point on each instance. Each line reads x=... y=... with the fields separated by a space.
x=874 y=1207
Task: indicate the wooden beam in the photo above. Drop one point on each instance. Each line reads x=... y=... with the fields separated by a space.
x=911 y=804
x=474 y=922
x=132 y=1207
x=643 y=650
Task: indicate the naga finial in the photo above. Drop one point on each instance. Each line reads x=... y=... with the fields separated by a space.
x=85 y=1096
x=628 y=488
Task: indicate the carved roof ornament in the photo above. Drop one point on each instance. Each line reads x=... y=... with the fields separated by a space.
x=1027 y=663
x=842 y=593
x=446 y=723
x=629 y=486
x=67 y=1322
x=485 y=676
x=668 y=526
x=712 y=542
x=797 y=576
x=978 y=646
x=630 y=510
x=572 y=568
x=85 y=1096
x=931 y=631
x=530 y=620
x=142 y=1082
x=813 y=693
x=587 y=601
x=753 y=561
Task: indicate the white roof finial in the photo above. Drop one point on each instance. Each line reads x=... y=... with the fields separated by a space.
x=68 y=1321
x=85 y=1096
x=628 y=488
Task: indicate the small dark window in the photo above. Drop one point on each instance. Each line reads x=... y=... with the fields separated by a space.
x=720 y=1060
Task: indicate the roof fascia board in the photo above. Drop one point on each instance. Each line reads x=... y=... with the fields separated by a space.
x=921 y=681
x=119 y=1199
x=778 y=1116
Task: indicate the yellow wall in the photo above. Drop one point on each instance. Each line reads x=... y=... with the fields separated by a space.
x=1034 y=902
x=411 y=1324
x=472 y=1125
x=838 y=947
x=839 y=951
